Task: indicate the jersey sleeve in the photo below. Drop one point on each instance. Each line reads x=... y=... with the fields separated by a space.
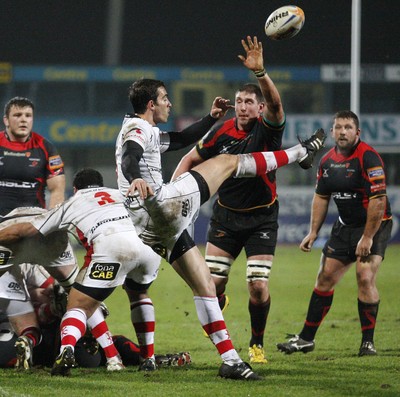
x=274 y=133
x=374 y=174
x=206 y=147
x=49 y=221
x=135 y=134
x=55 y=164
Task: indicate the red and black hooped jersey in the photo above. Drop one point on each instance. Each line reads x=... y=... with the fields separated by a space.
x=352 y=181
x=24 y=169
x=244 y=193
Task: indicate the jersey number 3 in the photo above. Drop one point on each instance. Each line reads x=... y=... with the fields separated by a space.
x=104 y=198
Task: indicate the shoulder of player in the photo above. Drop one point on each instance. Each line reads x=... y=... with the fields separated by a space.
x=39 y=139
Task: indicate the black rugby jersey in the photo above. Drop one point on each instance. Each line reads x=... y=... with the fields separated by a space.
x=244 y=193
x=352 y=181
x=24 y=169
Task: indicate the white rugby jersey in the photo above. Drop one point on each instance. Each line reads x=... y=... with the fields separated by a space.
x=152 y=140
x=87 y=214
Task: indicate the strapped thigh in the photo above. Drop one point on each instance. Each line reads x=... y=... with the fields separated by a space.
x=258 y=269
x=219 y=266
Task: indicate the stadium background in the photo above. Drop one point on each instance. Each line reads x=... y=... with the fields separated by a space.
x=75 y=60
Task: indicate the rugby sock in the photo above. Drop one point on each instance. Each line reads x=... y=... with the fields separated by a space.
x=258 y=321
x=260 y=163
x=318 y=308
x=368 y=312
x=212 y=321
x=221 y=300
x=143 y=320
x=100 y=331
x=73 y=327
x=33 y=333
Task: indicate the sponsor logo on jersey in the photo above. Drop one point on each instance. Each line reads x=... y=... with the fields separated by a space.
x=378 y=187
x=55 y=162
x=104 y=271
x=17 y=154
x=375 y=173
x=23 y=185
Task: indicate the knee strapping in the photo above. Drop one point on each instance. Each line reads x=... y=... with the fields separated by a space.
x=219 y=266
x=258 y=270
x=67 y=282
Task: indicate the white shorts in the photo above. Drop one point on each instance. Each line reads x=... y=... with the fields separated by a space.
x=13 y=286
x=116 y=257
x=14 y=296
x=167 y=214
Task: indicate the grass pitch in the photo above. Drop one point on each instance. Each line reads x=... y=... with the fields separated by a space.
x=333 y=369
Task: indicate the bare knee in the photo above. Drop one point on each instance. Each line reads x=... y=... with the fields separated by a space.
x=258 y=290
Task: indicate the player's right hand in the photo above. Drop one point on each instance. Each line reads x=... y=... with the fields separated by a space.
x=140 y=186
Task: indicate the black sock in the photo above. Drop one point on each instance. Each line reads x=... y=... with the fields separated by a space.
x=368 y=312
x=258 y=321
x=318 y=308
x=221 y=300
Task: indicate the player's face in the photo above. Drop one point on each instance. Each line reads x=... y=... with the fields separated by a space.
x=162 y=107
x=247 y=109
x=345 y=133
x=19 y=123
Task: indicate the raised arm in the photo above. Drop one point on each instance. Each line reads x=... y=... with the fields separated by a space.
x=254 y=61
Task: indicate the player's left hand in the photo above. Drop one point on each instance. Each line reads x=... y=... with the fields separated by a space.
x=140 y=186
x=254 y=54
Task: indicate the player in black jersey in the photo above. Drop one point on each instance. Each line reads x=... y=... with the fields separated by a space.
x=353 y=174
x=245 y=215
x=28 y=162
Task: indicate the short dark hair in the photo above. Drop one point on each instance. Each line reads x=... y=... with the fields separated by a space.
x=252 y=89
x=142 y=91
x=87 y=178
x=347 y=114
x=18 y=101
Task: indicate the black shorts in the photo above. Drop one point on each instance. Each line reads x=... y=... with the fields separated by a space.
x=256 y=231
x=343 y=240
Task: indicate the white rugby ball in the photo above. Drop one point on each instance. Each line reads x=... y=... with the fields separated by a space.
x=285 y=22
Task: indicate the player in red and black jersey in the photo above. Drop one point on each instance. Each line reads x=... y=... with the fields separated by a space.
x=245 y=214
x=353 y=174
x=28 y=162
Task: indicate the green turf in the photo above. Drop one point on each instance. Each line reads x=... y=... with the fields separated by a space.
x=333 y=369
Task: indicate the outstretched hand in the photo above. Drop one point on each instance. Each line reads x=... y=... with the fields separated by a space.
x=254 y=54
x=219 y=107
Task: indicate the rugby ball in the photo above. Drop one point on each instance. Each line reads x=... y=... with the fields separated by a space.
x=285 y=22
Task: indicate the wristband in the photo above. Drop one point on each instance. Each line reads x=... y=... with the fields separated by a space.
x=260 y=73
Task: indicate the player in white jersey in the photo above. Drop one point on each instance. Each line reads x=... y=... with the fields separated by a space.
x=162 y=212
x=98 y=217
